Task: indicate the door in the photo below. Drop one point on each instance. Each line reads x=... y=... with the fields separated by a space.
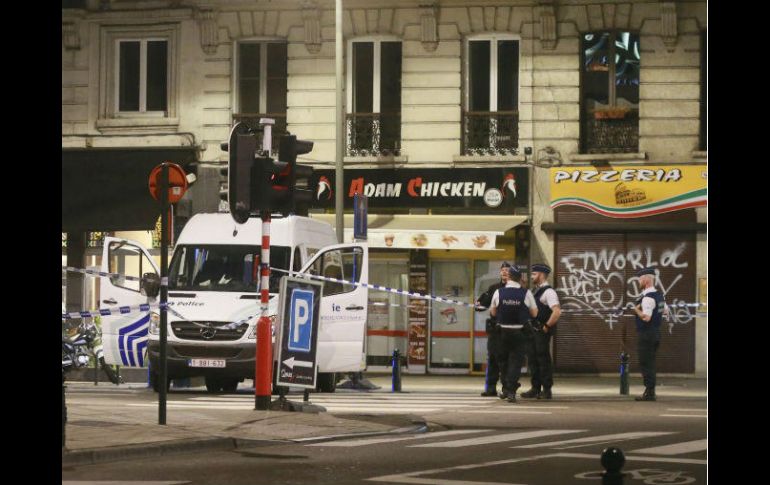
x=450 y=327
x=342 y=327
x=124 y=336
x=388 y=313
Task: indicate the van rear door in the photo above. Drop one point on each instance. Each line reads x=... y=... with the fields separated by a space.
x=124 y=336
x=342 y=327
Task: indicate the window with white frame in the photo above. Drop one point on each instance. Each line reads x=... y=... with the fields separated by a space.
x=374 y=96
x=142 y=77
x=138 y=77
x=491 y=116
x=261 y=82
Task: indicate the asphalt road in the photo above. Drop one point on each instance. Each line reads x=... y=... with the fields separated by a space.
x=472 y=440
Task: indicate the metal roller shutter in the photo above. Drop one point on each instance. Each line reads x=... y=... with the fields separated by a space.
x=595 y=272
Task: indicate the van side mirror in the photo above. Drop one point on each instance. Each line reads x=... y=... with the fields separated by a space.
x=150 y=285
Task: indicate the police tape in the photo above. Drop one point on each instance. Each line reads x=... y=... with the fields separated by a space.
x=587 y=311
x=386 y=289
x=91 y=272
x=105 y=312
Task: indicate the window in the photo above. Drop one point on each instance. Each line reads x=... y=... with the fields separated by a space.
x=491 y=117
x=127 y=260
x=374 y=97
x=261 y=83
x=138 y=77
x=224 y=268
x=610 y=92
x=142 y=76
x=341 y=264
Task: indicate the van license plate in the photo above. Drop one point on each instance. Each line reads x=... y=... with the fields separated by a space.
x=206 y=363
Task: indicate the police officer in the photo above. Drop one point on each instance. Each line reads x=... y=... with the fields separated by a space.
x=512 y=305
x=649 y=309
x=494 y=348
x=548 y=313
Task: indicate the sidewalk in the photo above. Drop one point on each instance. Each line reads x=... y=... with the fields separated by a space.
x=98 y=430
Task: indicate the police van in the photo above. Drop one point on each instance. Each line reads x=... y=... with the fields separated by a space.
x=214 y=301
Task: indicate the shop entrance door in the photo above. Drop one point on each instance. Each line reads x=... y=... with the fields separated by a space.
x=388 y=313
x=451 y=325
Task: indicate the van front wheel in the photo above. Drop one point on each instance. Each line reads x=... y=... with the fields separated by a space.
x=327 y=382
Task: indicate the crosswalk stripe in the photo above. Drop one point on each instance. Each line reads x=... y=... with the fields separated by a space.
x=675 y=449
x=596 y=439
x=391 y=439
x=498 y=438
x=683 y=416
x=501 y=411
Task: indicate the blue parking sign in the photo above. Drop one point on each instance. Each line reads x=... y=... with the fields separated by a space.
x=301 y=321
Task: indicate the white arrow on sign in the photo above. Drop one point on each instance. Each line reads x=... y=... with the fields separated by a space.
x=290 y=362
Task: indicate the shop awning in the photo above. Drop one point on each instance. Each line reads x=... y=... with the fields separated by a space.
x=407 y=231
x=106 y=189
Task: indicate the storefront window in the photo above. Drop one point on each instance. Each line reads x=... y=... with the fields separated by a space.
x=451 y=324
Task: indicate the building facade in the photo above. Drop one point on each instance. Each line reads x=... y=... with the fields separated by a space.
x=454 y=93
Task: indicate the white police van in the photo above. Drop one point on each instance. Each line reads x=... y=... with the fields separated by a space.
x=214 y=282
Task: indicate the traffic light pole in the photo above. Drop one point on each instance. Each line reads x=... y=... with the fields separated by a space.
x=163 y=374
x=264 y=359
x=264 y=371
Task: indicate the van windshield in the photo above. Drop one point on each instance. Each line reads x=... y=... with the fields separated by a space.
x=224 y=268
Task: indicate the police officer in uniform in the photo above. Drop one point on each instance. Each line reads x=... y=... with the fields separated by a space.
x=494 y=348
x=548 y=313
x=512 y=305
x=649 y=309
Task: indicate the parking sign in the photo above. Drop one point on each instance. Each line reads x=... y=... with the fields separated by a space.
x=298 y=312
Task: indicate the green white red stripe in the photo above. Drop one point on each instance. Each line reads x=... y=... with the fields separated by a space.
x=695 y=198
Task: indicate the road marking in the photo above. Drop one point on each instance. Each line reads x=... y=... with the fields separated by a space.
x=653 y=459
x=675 y=449
x=502 y=411
x=682 y=416
x=596 y=439
x=374 y=441
x=498 y=438
x=687 y=410
x=411 y=478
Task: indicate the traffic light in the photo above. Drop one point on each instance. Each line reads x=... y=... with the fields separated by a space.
x=241 y=148
x=296 y=177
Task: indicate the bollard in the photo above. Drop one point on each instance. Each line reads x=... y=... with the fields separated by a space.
x=624 y=357
x=396 y=371
x=613 y=460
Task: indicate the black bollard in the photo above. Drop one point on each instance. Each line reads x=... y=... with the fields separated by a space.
x=613 y=460
x=396 y=371
x=624 y=357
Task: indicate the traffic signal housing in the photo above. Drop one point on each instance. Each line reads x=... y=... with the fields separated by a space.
x=295 y=176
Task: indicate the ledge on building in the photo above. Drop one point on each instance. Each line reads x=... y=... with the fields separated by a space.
x=137 y=124
x=697 y=154
x=380 y=159
x=622 y=226
x=485 y=159
x=156 y=140
x=609 y=157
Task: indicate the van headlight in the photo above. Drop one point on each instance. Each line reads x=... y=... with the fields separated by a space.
x=154 y=323
x=253 y=333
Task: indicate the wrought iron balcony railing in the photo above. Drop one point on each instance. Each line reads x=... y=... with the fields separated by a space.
x=252 y=120
x=490 y=132
x=373 y=134
x=614 y=130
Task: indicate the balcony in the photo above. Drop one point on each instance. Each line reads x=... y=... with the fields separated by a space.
x=252 y=121
x=490 y=133
x=373 y=134
x=613 y=130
